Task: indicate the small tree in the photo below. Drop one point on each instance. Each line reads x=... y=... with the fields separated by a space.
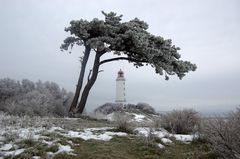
x=129 y=41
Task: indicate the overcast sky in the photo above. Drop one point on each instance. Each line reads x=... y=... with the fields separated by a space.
x=207 y=31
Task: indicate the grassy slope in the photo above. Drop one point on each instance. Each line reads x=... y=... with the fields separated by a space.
x=136 y=148
x=130 y=147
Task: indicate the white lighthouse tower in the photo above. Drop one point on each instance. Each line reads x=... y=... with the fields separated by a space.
x=120 y=87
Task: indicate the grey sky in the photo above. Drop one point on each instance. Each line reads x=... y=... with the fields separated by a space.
x=207 y=32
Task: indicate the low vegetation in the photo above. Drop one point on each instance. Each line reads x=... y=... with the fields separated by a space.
x=223 y=134
x=122 y=122
x=181 y=121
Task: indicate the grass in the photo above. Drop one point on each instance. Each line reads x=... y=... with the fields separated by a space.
x=135 y=148
x=194 y=150
x=118 y=148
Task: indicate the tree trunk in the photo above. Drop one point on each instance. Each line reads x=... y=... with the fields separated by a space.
x=80 y=79
x=89 y=84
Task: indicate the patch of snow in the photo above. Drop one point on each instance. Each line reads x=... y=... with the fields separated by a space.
x=143 y=131
x=103 y=137
x=47 y=142
x=116 y=133
x=64 y=148
x=55 y=128
x=6 y=147
x=161 y=133
x=36 y=157
x=138 y=117
x=98 y=129
x=73 y=134
x=14 y=153
x=166 y=140
x=88 y=134
x=183 y=138
x=161 y=146
x=28 y=133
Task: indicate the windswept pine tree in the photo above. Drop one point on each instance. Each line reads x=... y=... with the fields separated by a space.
x=128 y=41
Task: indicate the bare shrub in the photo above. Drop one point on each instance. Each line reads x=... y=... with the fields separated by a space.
x=181 y=121
x=150 y=139
x=157 y=122
x=223 y=134
x=122 y=122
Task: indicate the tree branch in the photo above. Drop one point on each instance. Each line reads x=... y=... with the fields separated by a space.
x=122 y=58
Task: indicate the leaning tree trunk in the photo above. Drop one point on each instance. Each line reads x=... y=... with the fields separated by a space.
x=80 y=79
x=89 y=84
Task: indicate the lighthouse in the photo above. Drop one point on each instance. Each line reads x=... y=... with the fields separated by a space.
x=120 y=87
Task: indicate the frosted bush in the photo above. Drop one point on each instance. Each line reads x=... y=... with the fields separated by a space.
x=181 y=121
x=223 y=134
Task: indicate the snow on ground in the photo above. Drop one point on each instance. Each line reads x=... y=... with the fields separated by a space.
x=142 y=131
x=6 y=147
x=161 y=146
x=184 y=138
x=138 y=117
x=12 y=153
x=166 y=141
x=160 y=133
x=90 y=133
x=11 y=132
x=62 y=148
x=164 y=135
x=54 y=128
